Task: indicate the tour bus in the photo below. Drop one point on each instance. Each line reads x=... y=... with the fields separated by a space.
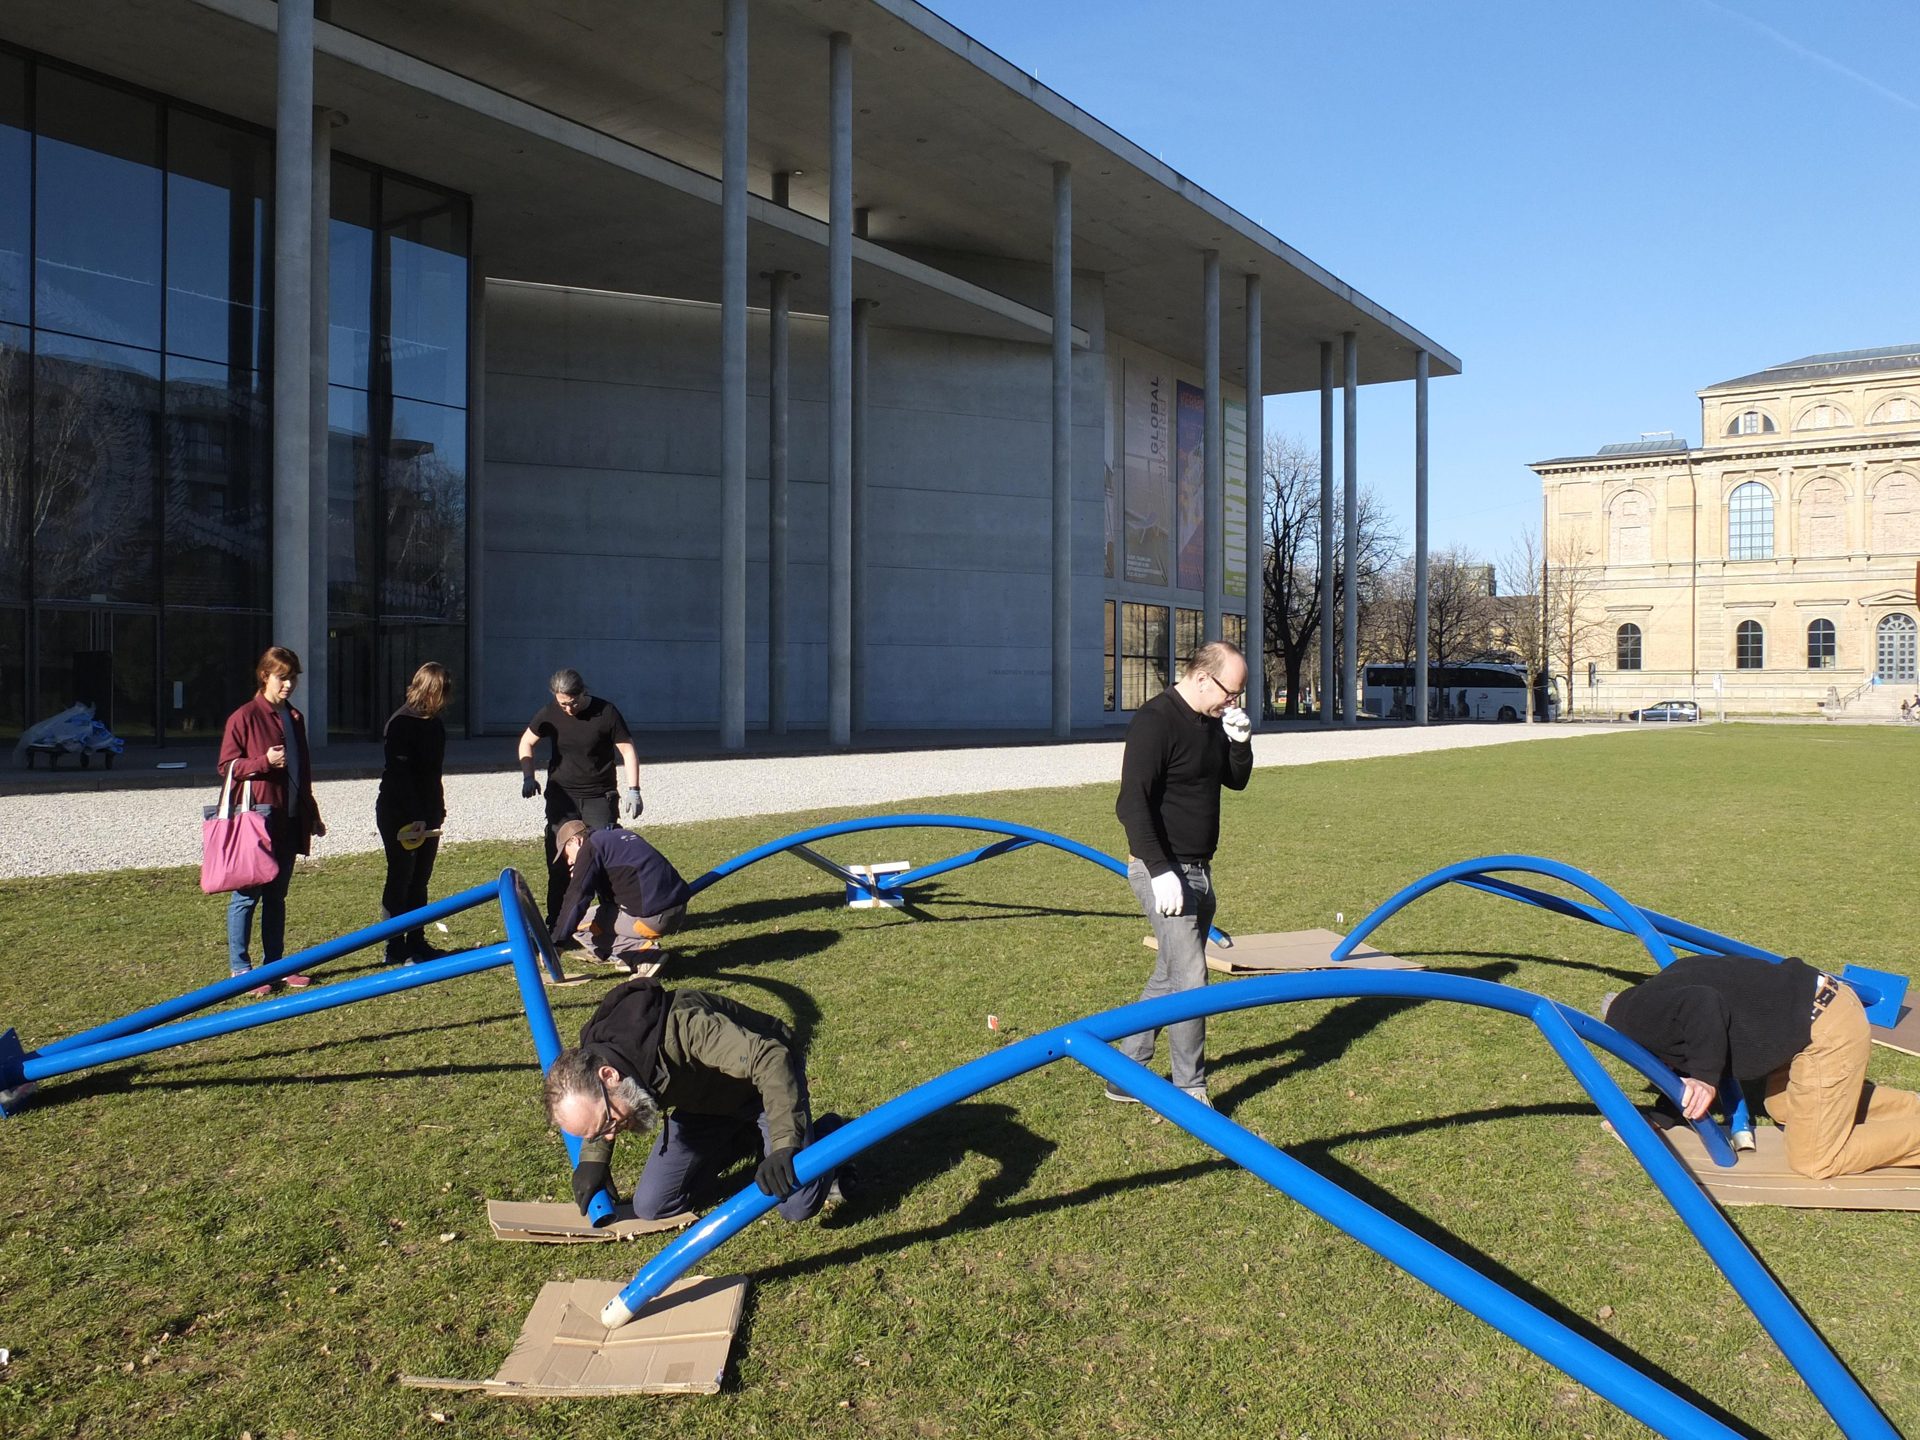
x=1475 y=691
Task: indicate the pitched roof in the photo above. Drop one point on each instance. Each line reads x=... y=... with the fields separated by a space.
x=1828 y=366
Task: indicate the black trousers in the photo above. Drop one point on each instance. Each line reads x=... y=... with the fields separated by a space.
x=600 y=811
x=408 y=872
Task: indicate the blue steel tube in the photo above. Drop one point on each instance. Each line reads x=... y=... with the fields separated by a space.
x=1690 y=937
x=1029 y=1054
x=957 y=862
x=529 y=948
x=1832 y=1383
x=1607 y=1376
x=286 y=1007
x=1629 y=915
x=239 y=984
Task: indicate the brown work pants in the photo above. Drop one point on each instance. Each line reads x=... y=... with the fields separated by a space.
x=1837 y=1121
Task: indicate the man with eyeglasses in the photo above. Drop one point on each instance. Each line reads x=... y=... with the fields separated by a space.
x=588 y=733
x=1182 y=746
x=716 y=1077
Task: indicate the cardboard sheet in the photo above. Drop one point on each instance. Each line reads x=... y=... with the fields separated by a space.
x=678 y=1345
x=1904 y=1037
x=1763 y=1177
x=1293 y=950
x=554 y=1222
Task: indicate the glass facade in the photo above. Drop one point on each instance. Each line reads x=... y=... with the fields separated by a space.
x=135 y=414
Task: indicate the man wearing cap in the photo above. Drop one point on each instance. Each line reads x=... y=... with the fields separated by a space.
x=1182 y=746
x=622 y=897
x=1714 y=1016
x=588 y=733
x=709 y=1073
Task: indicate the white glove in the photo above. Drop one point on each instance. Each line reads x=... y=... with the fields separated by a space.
x=1169 y=895
x=1234 y=721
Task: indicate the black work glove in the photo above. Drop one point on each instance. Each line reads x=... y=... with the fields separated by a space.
x=529 y=787
x=775 y=1176
x=590 y=1177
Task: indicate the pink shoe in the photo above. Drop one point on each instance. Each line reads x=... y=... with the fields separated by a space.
x=260 y=992
x=296 y=982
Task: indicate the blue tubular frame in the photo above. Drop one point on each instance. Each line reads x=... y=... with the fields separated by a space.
x=175 y=1022
x=1089 y=1043
x=1657 y=932
x=1018 y=837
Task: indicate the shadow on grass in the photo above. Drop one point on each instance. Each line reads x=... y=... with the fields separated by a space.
x=1612 y=972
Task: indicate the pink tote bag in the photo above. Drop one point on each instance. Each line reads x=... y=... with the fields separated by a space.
x=236 y=852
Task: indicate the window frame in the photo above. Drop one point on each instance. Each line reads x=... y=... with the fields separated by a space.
x=1750 y=646
x=1627 y=647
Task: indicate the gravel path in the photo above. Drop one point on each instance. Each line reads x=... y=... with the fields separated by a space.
x=89 y=831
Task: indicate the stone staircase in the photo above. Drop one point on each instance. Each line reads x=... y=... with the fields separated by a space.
x=1872 y=704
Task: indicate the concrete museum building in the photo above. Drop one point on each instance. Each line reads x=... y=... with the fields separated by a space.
x=1777 y=561
x=777 y=363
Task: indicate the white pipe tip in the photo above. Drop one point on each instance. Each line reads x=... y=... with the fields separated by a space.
x=614 y=1314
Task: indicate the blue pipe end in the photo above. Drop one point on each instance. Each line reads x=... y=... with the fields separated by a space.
x=600 y=1209
x=14 y=1088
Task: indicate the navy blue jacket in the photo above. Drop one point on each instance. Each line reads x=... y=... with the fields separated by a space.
x=618 y=865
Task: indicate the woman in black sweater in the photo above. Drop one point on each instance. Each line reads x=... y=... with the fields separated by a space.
x=412 y=805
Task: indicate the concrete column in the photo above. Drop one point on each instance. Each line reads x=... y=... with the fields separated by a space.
x=862 y=328
x=1062 y=450
x=474 y=683
x=1212 y=460
x=1327 y=670
x=733 y=386
x=840 y=392
x=782 y=188
x=779 y=401
x=1421 y=363
x=313 y=683
x=1256 y=513
x=293 y=329
x=1350 y=459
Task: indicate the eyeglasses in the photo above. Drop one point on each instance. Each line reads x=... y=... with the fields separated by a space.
x=1229 y=694
x=607 y=1121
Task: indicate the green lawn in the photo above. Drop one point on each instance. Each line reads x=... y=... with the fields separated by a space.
x=245 y=1235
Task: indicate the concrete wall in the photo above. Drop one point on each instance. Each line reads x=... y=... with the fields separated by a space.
x=602 y=505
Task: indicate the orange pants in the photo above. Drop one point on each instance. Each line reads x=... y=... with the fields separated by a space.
x=1837 y=1121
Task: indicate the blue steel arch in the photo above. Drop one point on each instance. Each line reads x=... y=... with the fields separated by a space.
x=1088 y=1042
x=1018 y=837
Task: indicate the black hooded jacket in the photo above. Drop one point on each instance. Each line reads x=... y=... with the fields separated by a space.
x=1708 y=1015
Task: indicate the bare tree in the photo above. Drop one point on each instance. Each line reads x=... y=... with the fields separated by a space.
x=1520 y=612
x=1292 y=558
x=1574 y=622
x=1460 y=612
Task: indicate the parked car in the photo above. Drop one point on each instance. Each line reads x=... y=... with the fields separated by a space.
x=1666 y=711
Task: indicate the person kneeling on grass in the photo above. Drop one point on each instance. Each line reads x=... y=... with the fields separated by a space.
x=1709 y=1016
x=709 y=1073
x=623 y=896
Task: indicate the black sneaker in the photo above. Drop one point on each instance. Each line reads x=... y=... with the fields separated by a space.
x=1120 y=1097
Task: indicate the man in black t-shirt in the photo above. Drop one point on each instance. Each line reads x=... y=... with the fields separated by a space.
x=588 y=734
x=1182 y=746
x=1714 y=1016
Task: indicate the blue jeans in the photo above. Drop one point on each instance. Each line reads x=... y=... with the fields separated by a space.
x=270 y=899
x=693 y=1149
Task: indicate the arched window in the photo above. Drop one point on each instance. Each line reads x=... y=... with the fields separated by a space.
x=1896 y=410
x=1897 y=650
x=1823 y=519
x=1893 y=521
x=1820 y=645
x=1626 y=648
x=1823 y=416
x=1749 y=646
x=1750 y=522
x=1751 y=422
x=1630 y=529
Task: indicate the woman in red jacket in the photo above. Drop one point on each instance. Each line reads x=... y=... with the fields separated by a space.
x=266 y=742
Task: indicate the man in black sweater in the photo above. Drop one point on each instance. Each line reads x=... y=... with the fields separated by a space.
x=1715 y=1016
x=1182 y=746
x=623 y=895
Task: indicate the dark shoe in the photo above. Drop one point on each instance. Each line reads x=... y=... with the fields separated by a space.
x=1120 y=1097
x=425 y=950
x=846 y=1188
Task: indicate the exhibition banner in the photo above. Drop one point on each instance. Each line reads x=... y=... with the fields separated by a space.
x=1148 y=480
x=1190 y=486
x=1234 y=579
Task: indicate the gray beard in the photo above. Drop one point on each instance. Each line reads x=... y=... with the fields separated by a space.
x=643 y=1109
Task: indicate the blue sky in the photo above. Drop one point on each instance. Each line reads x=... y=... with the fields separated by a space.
x=1601 y=206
